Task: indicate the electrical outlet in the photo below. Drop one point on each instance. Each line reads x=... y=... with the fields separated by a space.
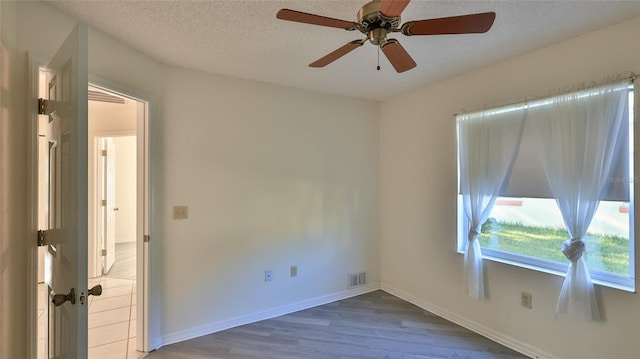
x=525 y=300
x=268 y=275
x=294 y=271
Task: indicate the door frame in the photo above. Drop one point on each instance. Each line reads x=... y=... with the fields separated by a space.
x=147 y=340
x=35 y=64
x=143 y=193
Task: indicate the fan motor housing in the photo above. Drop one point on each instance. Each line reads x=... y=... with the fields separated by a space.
x=370 y=18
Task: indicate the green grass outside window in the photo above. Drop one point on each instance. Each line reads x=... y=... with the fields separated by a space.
x=605 y=253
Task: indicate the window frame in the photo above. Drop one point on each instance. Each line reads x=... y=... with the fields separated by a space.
x=607 y=279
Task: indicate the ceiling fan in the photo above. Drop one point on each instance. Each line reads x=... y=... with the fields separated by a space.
x=378 y=18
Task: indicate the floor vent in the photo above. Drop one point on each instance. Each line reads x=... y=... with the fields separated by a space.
x=356 y=279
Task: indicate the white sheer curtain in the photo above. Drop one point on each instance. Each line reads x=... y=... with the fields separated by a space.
x=578 y=135
x=488 y=143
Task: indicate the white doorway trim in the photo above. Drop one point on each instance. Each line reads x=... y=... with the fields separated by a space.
x=35 y=65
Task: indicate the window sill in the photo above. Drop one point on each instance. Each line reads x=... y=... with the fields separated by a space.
x=560 y=271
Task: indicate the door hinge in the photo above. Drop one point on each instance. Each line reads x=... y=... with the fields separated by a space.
x=42 y=238
x=103 y=202
x=104 y=252
x=103 y=153
x=146 y=238
x=43 y=107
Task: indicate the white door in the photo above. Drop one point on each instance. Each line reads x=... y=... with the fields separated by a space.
x=66 y=237
x=110 y=209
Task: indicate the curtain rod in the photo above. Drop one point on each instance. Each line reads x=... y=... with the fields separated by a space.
x=631 y=78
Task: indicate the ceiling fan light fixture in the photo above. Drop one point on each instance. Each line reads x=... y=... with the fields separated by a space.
x=370 y=18
x=377 y=36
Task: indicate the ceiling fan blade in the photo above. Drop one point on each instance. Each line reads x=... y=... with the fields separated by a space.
x=297 y=16
x=465 y=24
x=393 y=7
x=398 y=56
x=333 y=56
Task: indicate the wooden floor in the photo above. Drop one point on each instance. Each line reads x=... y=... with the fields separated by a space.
x=372 y=325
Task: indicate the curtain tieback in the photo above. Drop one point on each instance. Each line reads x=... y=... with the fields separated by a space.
x=473 y=235
x=573 y=249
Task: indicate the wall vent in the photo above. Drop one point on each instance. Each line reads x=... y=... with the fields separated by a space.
x=356 y=280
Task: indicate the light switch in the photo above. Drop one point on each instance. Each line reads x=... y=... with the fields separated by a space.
x=180 y=212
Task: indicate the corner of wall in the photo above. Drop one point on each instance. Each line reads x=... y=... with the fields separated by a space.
x=13 y=191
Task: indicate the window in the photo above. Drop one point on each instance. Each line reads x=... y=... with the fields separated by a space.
x=525 y=226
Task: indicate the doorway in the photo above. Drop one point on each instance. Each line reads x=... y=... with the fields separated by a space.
x=117 y=162
x=112 y=162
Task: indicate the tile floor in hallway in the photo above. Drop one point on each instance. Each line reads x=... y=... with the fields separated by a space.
x=112 y=320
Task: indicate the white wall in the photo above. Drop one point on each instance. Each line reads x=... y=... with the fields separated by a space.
x=13 y=190
x=273 y=177
x=418 y=208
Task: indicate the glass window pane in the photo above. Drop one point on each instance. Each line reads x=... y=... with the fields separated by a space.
x=533 y=227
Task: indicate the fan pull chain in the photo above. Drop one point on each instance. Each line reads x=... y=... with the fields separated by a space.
x=378 y=68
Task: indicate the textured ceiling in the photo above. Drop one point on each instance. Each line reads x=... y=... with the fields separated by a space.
x=244 y=39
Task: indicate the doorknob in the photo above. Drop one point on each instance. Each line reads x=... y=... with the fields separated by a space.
x=116 y=209
x=96 y=290
x=59 y=299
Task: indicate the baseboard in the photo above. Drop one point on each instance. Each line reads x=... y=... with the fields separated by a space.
x=265 y=314
x=501 y=338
